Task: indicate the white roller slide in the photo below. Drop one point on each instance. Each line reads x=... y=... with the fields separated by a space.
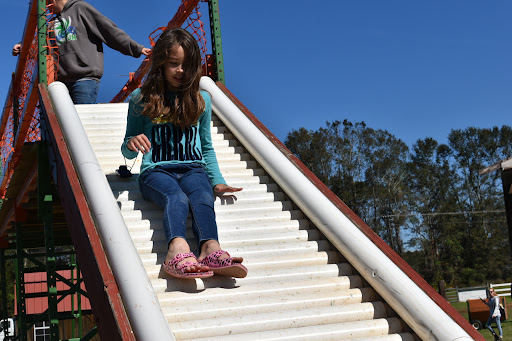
x=299 y=287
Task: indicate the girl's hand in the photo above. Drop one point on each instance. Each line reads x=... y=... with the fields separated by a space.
x=221 y=188
x=139 y=143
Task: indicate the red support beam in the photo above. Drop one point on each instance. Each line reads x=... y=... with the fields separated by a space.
x=28 y=115
x=28 y=37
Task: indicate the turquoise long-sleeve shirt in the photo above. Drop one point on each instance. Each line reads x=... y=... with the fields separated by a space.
x=171 y=144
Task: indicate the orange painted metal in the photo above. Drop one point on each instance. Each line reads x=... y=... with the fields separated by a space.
x=28 y=115
x=19 y=90
x=28 y=37
x=381 y=244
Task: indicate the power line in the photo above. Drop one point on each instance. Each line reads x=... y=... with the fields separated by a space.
x=438 y=213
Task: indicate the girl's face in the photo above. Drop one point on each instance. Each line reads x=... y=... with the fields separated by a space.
x=173 y=68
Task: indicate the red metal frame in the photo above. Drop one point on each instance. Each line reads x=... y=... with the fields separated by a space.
x=381 y=244
x=30 y=29
x=28 y=114
x=28 y=36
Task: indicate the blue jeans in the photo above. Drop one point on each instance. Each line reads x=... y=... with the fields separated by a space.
x=178 y=189
x=498 y=323
x=83 y=91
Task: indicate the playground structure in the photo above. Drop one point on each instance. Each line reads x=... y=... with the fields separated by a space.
x=316 y=271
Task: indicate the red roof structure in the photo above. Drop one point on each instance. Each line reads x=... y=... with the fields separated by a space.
x=36 y=283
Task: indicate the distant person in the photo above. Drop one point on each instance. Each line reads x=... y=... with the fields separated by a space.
x=495 y=315
x=169 y=123
x=80 y=31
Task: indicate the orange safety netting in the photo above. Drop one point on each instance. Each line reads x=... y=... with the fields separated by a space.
x=52 y=58
x=188 y=10
x=19 y=101
x=197 y=27
x=194 y=26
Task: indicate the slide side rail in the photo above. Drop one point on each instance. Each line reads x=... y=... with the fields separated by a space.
x=140 y=301
x=417 y=303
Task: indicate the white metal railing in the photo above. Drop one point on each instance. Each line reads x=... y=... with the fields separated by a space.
x=502 y=289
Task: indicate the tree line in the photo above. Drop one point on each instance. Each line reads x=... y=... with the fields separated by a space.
x=428 y=202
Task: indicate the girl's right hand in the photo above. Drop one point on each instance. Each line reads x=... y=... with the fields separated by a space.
x=139 y=143
x=221 y=188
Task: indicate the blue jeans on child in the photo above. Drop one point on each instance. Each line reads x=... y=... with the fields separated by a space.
x=83 y=91
x=498 y=323
x=178 y=188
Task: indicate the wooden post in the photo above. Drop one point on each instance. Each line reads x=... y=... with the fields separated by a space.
x=442 y=288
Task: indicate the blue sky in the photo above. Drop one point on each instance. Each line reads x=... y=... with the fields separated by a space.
x=414 y=68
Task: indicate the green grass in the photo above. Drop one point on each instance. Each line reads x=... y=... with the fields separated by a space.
x=462 y=308
x=507 y=332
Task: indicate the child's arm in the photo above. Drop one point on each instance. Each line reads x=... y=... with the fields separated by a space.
x=222 y=188
x=209 y=157
x=212 y=165
x=107 y=31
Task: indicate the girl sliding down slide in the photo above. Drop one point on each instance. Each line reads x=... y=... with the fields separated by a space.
x=169 y=123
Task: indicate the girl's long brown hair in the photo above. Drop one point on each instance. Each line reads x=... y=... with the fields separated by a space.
x=188 y=104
